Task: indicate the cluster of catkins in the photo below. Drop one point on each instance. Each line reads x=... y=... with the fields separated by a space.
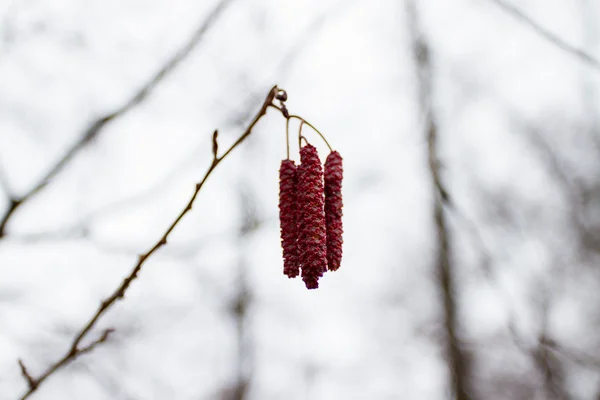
x=310 y=213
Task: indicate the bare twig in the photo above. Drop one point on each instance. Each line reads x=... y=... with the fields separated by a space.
x=30 y=381
x=547 y=35
x=576 y=356
x=94 y=129
x=547 y=363
x=457 y=361
x=242 y=302
x=543 y=356
x=34 y=383
x=119 y=293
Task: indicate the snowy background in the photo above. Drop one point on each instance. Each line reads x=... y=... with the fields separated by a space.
x=211 y=315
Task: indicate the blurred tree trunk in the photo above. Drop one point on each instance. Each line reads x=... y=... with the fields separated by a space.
x=455 y=357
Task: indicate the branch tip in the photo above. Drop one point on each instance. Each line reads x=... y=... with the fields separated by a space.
x=30 y=381
x=215 y=145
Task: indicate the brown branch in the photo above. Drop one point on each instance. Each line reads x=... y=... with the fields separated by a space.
x=576 y=356
x=119 y=293
x=457 y=361
x=30 y=381
x=543 y=358
x=547 y=35
x=242 y=302
x=94 y=129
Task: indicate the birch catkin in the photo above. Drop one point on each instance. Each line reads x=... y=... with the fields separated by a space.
x=288 y=217
x=312 y=241
x=333 y=209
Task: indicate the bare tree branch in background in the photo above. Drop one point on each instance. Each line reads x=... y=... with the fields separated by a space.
x=548 y=364
x=547 y=35
x=92 y=131
x=574 y=189
x=294 y=52
x=543 y=355
x=550 y=358
x=579 y=192
x=7 y=34
x=75 y=348
x=591 y=38
x=457 y=360
x=243 y=299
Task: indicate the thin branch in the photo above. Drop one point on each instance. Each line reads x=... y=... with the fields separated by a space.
x=30 y=381
x=457 y=361
x=543 y=358
x=119 y=293
x=547 y=35
x=243 y=300
x=578 y=357
x=572 y=187
x=94 y=129
x=296 y=51
x=34 y=383
x=549 y=366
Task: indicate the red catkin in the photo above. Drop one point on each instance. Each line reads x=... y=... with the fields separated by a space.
x=288 y=217
x=312 y=240
x=333 y=209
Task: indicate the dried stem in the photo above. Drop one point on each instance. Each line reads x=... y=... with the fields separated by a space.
x=94 y=129
x=457 y=361
x=287 y=138
x=302 y=121
x=119 y=293
x=300 y=137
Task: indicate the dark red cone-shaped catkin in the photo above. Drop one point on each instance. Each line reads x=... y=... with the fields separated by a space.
x=288 y=217
x=333 y=209
x=312 y=240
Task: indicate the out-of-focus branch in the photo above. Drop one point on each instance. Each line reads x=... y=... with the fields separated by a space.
x=573 y=189
x=578 y=357
x=295 y=51
x=119 y=293
x=92 y=131
x=457 y=361
x=547 y=35
x=546 y=362
x=243 y=300
x=543 y=357
x=550 y=345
